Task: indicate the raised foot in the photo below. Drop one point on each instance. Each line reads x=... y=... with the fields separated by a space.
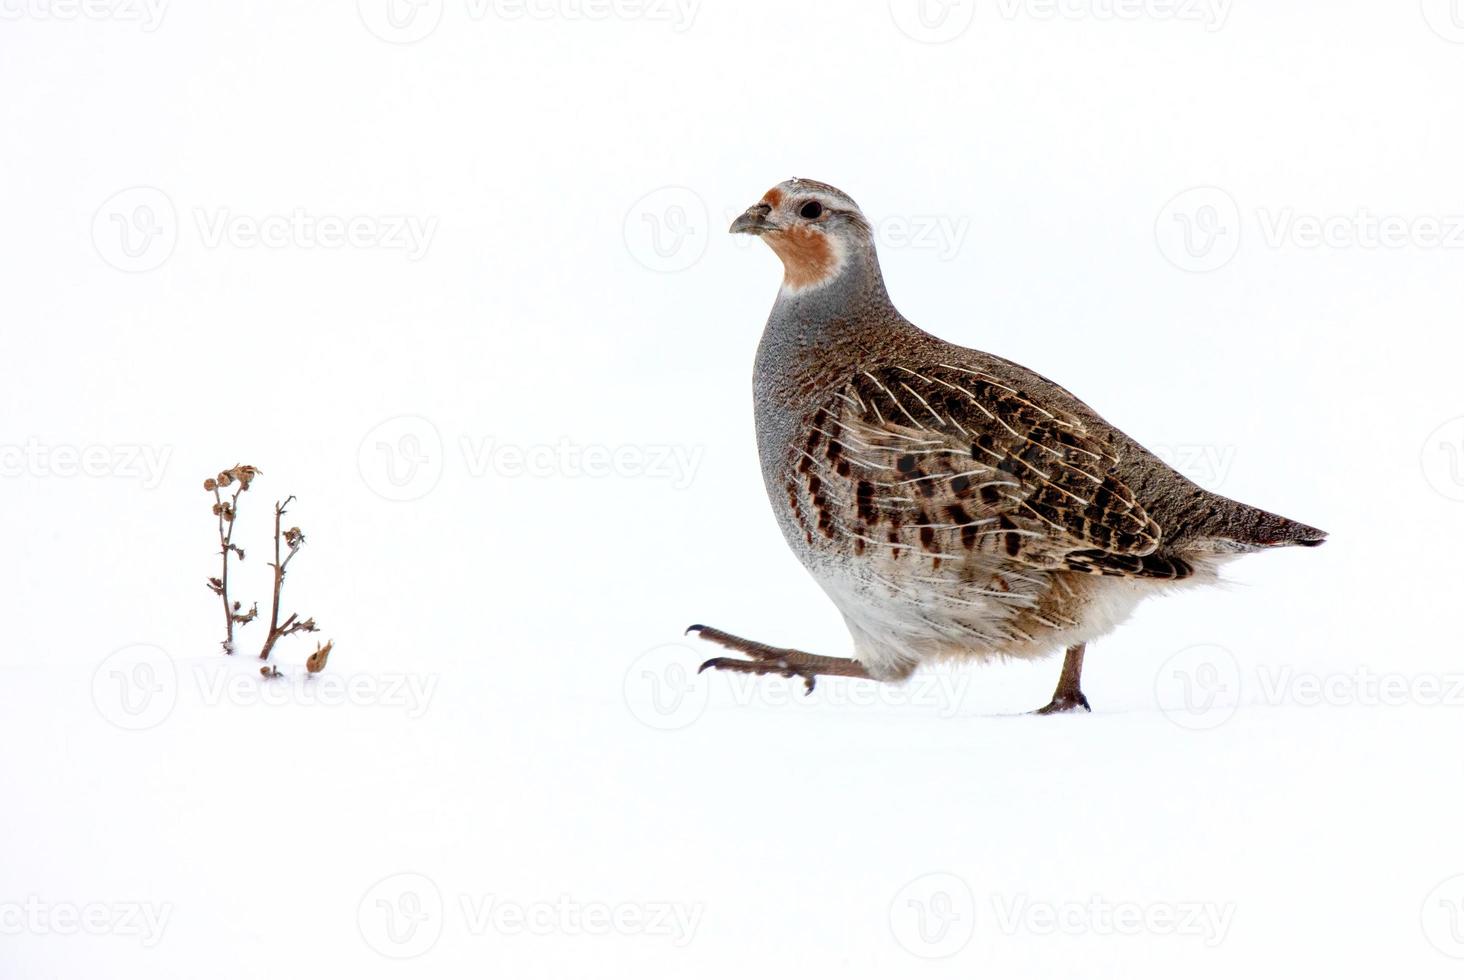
x=1063 y=703
x=775 y=660
x=761 y=668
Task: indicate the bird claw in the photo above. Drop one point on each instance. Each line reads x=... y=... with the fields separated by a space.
x=762 y=668
x=1064 y=704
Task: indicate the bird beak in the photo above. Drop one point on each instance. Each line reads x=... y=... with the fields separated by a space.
x=753 y=221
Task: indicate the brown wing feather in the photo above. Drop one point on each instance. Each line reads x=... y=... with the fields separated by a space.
x=951 y=461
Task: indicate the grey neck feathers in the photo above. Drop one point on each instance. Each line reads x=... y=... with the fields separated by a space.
x=828 y=314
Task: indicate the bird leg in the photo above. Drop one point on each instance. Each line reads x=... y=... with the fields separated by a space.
x=1069 y=693
x=775 y=660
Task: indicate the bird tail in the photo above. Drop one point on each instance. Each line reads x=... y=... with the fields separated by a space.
x=1253 y=528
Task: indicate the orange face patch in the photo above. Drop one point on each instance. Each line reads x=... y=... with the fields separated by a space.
x=773 y=198
x=807 y=256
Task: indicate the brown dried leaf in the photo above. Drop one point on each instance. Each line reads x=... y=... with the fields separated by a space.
x=315 y=663
x=304 y=626
x=216 y=586
x=244 y=474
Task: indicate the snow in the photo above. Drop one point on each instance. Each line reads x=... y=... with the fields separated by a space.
x=522 y=456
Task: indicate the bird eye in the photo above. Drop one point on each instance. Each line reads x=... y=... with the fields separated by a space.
x=811 y=210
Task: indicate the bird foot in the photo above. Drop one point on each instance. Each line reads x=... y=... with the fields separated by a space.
x=754 y=649
x=775 y=660
x=761 y=668
x=1064 y=703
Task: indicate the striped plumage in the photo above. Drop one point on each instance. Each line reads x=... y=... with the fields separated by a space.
x=952 y=503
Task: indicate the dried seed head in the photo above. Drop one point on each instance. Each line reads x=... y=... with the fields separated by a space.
x=315 y=663
x=225 y=478
x=210 y=484
x=244 y=474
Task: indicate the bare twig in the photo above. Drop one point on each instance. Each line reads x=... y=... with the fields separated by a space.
x=293 y=538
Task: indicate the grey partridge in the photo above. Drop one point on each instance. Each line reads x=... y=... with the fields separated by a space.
x=951 y=503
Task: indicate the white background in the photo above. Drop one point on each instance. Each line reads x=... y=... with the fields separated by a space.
x=1283 y=753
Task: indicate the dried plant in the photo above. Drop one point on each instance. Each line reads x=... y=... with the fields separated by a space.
x=293 y=539
x=240 y=476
